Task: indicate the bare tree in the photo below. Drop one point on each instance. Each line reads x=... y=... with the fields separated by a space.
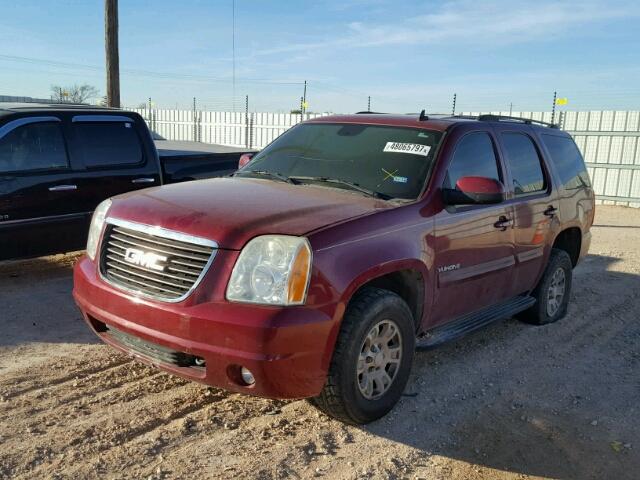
x=74 y=93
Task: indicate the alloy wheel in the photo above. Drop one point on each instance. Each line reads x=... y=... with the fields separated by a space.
x=379 y=359
x=555 y=293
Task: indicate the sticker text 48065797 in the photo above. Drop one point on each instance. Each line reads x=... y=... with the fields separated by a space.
x=413 y=148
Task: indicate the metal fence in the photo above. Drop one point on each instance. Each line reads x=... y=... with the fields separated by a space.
x=608 y=139
x=249 y=130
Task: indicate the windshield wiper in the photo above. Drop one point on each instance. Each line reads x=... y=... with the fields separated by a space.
x=338 y=181
x=265 y=173
x=295 y=180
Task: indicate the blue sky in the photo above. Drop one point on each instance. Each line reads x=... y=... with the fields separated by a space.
x=406 y=55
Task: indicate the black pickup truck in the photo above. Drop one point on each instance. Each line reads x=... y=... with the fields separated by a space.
x=57 y=162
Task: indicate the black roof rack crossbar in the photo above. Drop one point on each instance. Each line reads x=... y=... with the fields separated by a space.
x=528 y=121
x=364 y=112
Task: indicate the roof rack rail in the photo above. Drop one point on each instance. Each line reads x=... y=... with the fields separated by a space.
x=528 y=121
x=364 y=112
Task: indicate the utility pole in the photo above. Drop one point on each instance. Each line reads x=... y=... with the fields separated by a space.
x=511 y=109
x=304 y=98
x=151 y=122
x=111 y=50
x=246 y=121
x=195 y=121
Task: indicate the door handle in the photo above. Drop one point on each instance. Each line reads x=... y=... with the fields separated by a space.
x=143 y=180
x=63 y=188
x=503 y=223
x=550 y=211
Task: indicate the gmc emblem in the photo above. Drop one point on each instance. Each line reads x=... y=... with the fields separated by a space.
x=145 y=259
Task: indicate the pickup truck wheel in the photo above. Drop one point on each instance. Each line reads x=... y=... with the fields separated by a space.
x=372 y=358
x=553 y=291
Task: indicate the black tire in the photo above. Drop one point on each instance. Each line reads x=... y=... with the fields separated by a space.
x=539 y=313
x=341 y=397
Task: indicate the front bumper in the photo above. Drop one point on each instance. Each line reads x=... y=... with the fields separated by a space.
x=288 y=350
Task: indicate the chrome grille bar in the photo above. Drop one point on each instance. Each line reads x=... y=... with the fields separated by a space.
x=183 y=260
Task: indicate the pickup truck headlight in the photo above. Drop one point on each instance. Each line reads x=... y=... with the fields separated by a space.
x=272 y=270
x=97 y=222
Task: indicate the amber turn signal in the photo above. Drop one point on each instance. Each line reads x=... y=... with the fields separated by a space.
x=299 y=277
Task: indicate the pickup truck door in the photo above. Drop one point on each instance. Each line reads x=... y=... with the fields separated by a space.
x=534 y=202
x=115 y=154
x=474 y=257
x=39 y=208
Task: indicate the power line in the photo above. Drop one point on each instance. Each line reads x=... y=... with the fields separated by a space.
x=148 y=73
x=580 y=97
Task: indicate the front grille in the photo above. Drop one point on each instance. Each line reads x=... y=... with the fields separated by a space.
x=153 y=351
x=153 y=262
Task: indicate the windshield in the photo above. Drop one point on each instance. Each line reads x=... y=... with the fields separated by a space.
x=390 y=161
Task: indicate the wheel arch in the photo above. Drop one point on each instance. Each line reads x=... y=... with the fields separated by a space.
x=408 y=279
x=569 y=240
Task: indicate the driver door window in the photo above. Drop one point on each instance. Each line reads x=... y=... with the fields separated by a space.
x=474 y=156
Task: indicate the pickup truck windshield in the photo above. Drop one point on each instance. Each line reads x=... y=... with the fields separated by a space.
x=390 y=161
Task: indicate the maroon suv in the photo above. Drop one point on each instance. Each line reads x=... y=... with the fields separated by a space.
x=319 y=267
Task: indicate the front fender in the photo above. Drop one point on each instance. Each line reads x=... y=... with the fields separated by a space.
x=347 y=261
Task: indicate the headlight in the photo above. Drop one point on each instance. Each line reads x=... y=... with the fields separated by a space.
x=273 y=270
x=97 y=222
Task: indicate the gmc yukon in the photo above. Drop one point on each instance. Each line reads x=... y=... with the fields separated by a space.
x=318 y=268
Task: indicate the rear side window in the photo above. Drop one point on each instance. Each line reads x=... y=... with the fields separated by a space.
x=523 y=158
x=474 y=156
x=568 y=161
x=105 y=144
x=36 y=146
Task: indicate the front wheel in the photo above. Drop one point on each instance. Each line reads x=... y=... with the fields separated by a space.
x=372 y=358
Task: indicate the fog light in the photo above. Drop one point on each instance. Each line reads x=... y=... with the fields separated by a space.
x=247 y=376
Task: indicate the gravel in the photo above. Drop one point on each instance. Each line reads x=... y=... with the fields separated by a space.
x=512 y=401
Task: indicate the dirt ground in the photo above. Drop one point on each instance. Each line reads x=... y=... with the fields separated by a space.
x=511 y=401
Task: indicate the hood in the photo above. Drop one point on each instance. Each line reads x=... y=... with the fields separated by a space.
x=231 y=211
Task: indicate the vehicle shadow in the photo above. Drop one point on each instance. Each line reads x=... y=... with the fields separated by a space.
x=616 y=226
x=36 y=303
x=554 y=401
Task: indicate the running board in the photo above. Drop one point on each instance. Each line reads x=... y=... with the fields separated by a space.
x=473 y=321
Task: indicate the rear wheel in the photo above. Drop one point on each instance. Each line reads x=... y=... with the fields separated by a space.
x=553 y=291
x=372 y=358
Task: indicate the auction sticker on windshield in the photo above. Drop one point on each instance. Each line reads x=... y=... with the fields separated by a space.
x=413 y=148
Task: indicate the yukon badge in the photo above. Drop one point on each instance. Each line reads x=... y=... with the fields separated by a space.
x=448 y=268
x=145 y=259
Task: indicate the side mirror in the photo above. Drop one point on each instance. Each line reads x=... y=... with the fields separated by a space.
x=244 y=159
x=474 y=191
